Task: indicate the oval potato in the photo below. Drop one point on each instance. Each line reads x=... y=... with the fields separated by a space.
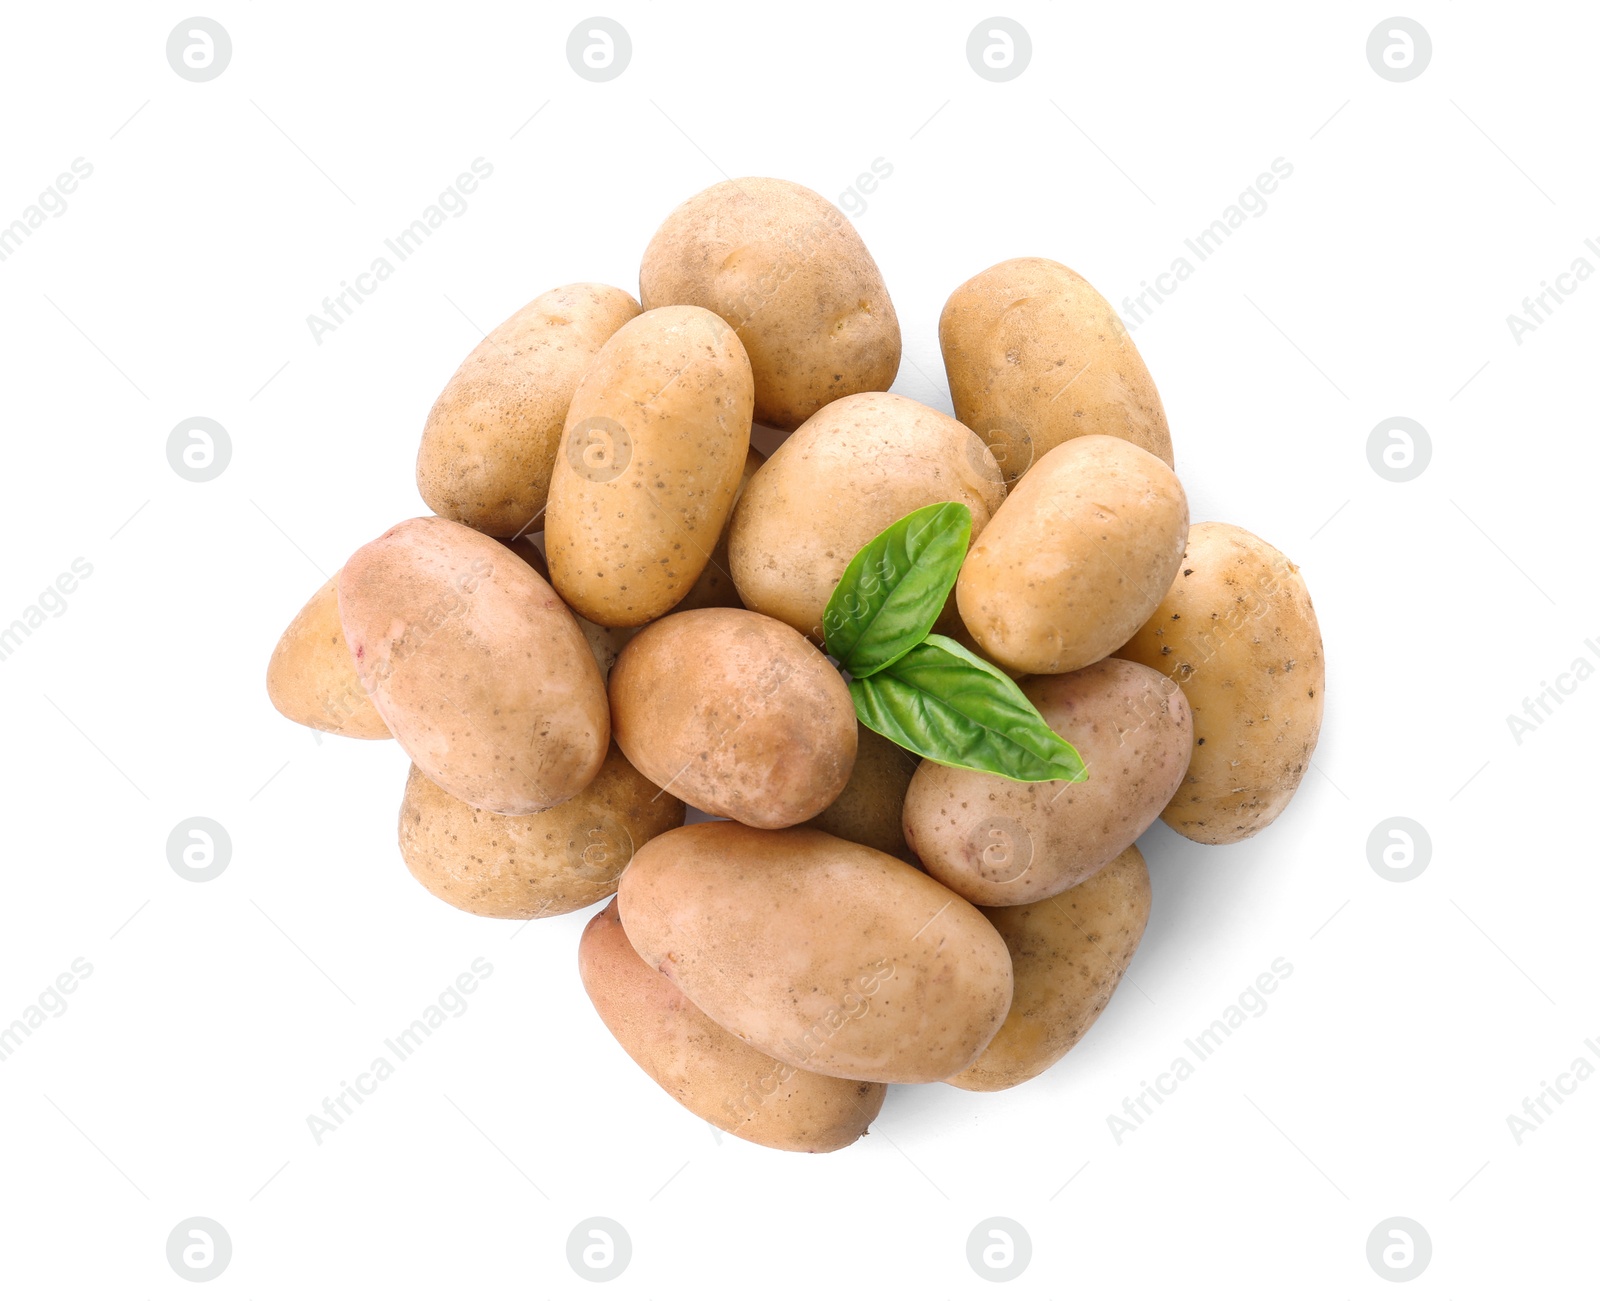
x=490 y=442
x=784 y=267
x=1035 y=356
x=655 y=443
x=824 y=954
x=1076 y=559
x=998 y=842
x=311 y=678
x=715 y=1075
x=735 y=713
x=856 y=467
x=1068 y=954
x=1238 y=633
x=476 y=666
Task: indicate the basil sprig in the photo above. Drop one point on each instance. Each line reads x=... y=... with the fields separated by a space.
x=924 y=692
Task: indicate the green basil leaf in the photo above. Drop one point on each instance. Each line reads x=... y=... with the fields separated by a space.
x=894 y=589
x=941 y=701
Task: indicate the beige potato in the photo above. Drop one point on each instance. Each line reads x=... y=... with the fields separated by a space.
x=1035 y=356
x=824 y=954
x=656 y=440
x=1068 y=954
x=711 y=1072
x=476 y=666
x=604 y=643
x=538 y=865
x=736 y=714
x=1238 y=633
x=867 y=810
x=490 y=441
x=714 y=587
x=998 y=842
x=784 y=267
x=848 y=473
x=311 y=678
x=1076 y=559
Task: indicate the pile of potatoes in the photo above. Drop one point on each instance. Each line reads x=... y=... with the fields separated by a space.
x=614 y=616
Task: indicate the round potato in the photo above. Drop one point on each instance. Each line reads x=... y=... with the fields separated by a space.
x=867 y=810
x=848 y=473
x=1035 y=356
x=475 y=665
x=736 y=714
x=1076 y=559
x=717 y=1076
x=311 y=678
x=655 y=444
x=784 y=267
x=1067 y=955
x=539 y=865
x=490 y=441
x=824 y=954
x=1000 y=842
x=1238 y=633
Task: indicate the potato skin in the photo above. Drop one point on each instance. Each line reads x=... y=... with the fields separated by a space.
x=735 y=713
x=604 y=643
x=311 y=678
x=1238 y=633
x=1035 y=356
x=650 y=463
x=848 y=473
x=999 y=842
x=1068 y=954
x=824 y=954
x=1077 y=557
x=867 y=810
x=490 y=441
x=784 y=267
x=475 y=665
x=714 y=587
x=711 y=1072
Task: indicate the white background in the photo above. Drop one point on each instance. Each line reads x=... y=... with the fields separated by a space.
x=1378 y=282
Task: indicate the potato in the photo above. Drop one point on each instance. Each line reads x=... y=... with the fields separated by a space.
x=867 y=810
x=1035 y=356
x=826 y=955
x=781 y=265
x=1000 y=842
x=655 y=444
x=1076 y=559
x=605 y=644
x=1238 y=633
x=711 y=1072
x=539 y=865
x=490 y=441
x=311 y=678
x=1068 y=954
x=715 y=586
x=736 y=714
x=475 y=665
x=848 y=473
